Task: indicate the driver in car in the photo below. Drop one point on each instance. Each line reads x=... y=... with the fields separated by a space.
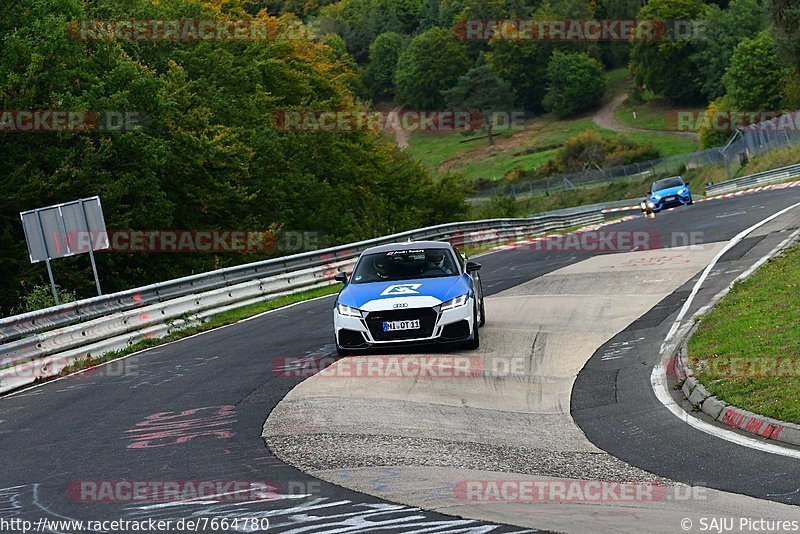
x=381 y=268
x=434 y=263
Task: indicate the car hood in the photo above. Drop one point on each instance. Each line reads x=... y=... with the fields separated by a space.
x=669 y=191
x=417 y=292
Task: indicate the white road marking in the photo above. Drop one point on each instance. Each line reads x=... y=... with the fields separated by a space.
x=658 y=378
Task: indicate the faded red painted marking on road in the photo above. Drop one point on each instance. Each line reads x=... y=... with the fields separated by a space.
x=174 y=428
x=736 y=419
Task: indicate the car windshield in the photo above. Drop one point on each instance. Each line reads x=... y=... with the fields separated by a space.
x=667 y=183
x=404 y=265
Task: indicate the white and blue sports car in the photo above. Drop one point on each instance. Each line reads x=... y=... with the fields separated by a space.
x=409 y=293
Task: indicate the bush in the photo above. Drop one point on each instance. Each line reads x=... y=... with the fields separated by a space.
x=575 y=82
x=40 y=296
x=588 y=150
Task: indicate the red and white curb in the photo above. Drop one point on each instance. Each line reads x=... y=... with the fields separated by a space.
x=678 y=366
x=759 y=425
x=784 y=185
x=589 y=228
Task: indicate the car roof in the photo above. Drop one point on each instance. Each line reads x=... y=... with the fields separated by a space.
x=405 y=245
x=670 y=178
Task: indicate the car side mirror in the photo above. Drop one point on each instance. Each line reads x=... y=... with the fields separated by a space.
x=473 y=266
x=340 y=277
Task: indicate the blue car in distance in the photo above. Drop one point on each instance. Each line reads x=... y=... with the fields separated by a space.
x=668 y=193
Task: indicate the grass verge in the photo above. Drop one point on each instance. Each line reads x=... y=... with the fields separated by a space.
x=746 y=351
x=651 y=112
x=526 y=149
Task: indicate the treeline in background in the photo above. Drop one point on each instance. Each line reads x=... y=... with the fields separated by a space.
x=209 y=156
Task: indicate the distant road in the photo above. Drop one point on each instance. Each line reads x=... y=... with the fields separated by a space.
x=604 y=118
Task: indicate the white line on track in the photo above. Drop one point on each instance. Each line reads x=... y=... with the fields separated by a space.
x=658 y=378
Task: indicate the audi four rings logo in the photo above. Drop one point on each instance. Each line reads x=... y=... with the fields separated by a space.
x=400 y=306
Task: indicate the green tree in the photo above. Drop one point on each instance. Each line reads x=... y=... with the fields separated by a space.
x=708 y=135
x=383 y=56
x=209 y=156
x=664 y=65
x=430 y=64
x=482 y=90
x=575 y=82
x=756 y=76
x=359 y=22
x=723 y=30
x=524 y=65
x=786 y=18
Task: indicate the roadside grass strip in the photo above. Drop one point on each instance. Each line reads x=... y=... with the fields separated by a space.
x=746 y=351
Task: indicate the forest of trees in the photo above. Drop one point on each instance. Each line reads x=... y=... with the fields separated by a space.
x=210 y=158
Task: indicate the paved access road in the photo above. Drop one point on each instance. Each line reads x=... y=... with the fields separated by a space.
x=194 y=410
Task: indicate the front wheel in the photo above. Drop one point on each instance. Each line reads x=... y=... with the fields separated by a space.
x=475 y=342
x=690 y=202
x=483 y=315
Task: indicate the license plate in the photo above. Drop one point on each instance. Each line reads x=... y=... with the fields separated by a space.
x=669 y=198
x=392 y=326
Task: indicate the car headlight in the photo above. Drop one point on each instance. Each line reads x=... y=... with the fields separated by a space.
x=681 y=191
x=347 y=311
x=657 y=197
x=650 y=205
x=455 y=303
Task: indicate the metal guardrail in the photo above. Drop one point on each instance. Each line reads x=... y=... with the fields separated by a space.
x=754 y=180
x=42 y=343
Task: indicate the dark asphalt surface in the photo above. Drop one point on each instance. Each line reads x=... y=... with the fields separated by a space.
x=193 y=410
x=614 y=404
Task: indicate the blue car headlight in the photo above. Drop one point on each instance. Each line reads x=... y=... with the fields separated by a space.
x=682 y=191
x=455 y=303
x=656 y=197
x=348 y=311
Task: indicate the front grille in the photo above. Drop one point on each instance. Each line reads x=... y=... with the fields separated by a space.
x=427 y=320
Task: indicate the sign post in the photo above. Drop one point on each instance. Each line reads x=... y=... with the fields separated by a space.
x=65 y=230
x=47 y=262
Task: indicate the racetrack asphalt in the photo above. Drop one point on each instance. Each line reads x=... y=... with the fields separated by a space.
x=193 y=410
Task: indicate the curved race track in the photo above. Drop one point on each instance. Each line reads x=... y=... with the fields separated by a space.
x=193 y=410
